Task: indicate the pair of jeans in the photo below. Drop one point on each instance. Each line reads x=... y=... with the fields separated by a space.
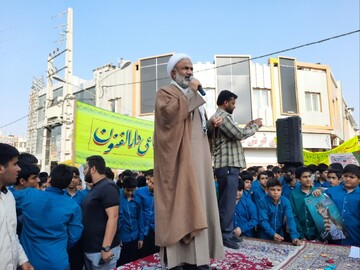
x=228 y=182
x=92 y=260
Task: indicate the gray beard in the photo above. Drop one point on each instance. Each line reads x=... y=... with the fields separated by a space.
x=181 y=81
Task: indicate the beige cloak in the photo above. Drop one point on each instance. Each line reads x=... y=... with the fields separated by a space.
x=186 y=212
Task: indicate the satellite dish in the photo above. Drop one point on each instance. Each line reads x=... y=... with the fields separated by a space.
x=124 y=64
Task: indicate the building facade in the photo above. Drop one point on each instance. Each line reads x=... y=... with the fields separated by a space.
x=284 y=87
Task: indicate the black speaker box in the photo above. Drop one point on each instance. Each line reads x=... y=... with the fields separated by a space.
x=289 y=141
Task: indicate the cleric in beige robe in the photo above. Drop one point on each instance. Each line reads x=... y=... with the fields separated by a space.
x=187 y=227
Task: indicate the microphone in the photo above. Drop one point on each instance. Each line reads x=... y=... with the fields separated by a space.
x=200 y=89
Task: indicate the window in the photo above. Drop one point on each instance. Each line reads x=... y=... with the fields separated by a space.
x=288 y=85
x=115 y=105
x=312 y=101
x=86 y=96
x=153 y=75
x=262 y=105
x=233 y=73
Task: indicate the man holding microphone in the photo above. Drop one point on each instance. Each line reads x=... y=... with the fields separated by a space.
x=187 y=228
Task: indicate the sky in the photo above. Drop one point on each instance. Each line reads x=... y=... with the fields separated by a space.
x=107 y=30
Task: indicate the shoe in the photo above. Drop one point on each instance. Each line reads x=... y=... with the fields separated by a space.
x=229 y=243
x=204 y=267
x=236 y=239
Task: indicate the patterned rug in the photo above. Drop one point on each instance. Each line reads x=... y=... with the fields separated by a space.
x=319 y=256
x=256 y=254
x=252 y=254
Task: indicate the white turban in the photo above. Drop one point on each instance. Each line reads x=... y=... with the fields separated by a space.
x=176 y=58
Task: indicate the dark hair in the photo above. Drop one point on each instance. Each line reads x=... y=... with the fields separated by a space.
x=269 y=173
x=28 y=158
x=43 y=176
x=7 y=153
x=273 y=182
x=109 y=173
x=246 y=176
x=98 y=162
x=240 y=185
x=126 y=173
x=130 y=182
x=276 y=169
x=149 y=173
x=27 y=169
x=269 y=167
x=300 y=170
x=289 y=169
x=323 y=167
x=141 y=181
x=262 y=173
x=336 y=167
x=75 y=170
x=225 y=95
x=337 y=173
x=61 y=176
x=353 y=169
x=313 y=168
x=287 y=178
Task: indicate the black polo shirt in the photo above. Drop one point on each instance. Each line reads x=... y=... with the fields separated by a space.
x=103 y=194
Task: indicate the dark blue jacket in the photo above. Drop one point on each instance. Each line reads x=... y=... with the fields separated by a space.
x=272 y=216
x=52 y=223
x=246 y=217
x=131 y=219
x=147 y=203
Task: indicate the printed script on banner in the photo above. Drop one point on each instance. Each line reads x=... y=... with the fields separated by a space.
x=124 y=142
x=261 y=139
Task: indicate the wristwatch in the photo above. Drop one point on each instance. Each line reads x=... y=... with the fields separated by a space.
x=106 y=249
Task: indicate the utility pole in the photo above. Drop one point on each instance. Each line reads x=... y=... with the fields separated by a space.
x=62 y=115
x=68 y=106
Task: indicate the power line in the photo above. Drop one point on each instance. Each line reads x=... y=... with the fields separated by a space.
x=249 y=59
x=257 y=57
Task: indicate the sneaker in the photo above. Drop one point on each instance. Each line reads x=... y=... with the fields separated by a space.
x=229 y=243
x=236 y=239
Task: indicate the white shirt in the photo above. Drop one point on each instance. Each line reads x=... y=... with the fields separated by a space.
x=12 y=254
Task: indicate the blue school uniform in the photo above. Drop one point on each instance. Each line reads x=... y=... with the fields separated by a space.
x=257 y=195
x=317 y=184
x=348 y=204
x=52 y=223
x=131 y=222
x=272 y=216
x=287 y=189
x=147 y=202
x=245 y=216
x=254 y=186
x=78 y=197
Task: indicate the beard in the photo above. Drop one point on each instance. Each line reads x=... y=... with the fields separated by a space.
x=181 y=80
x=88 y=177
x=229 y=110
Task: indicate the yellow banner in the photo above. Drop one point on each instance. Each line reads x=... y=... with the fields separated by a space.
x=124 y=142
x=349 y=146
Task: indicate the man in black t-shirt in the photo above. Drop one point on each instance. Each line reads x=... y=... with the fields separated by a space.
x=100 y=217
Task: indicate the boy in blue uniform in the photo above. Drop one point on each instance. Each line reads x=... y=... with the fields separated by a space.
x=28 y=177
x=260 y=192
x=245 y=218
x=273 y=210
x=347 y=199
x=72 y=190
x=52 y=221
x=322 y=180
x=247 y=179
x=146 y=195
x=131 y=222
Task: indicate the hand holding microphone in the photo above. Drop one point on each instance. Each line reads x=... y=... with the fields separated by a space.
x=195 y=84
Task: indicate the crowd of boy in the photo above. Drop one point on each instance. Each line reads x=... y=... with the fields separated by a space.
x=270 y=204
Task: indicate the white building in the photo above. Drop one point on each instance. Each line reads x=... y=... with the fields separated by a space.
x=281 y=88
